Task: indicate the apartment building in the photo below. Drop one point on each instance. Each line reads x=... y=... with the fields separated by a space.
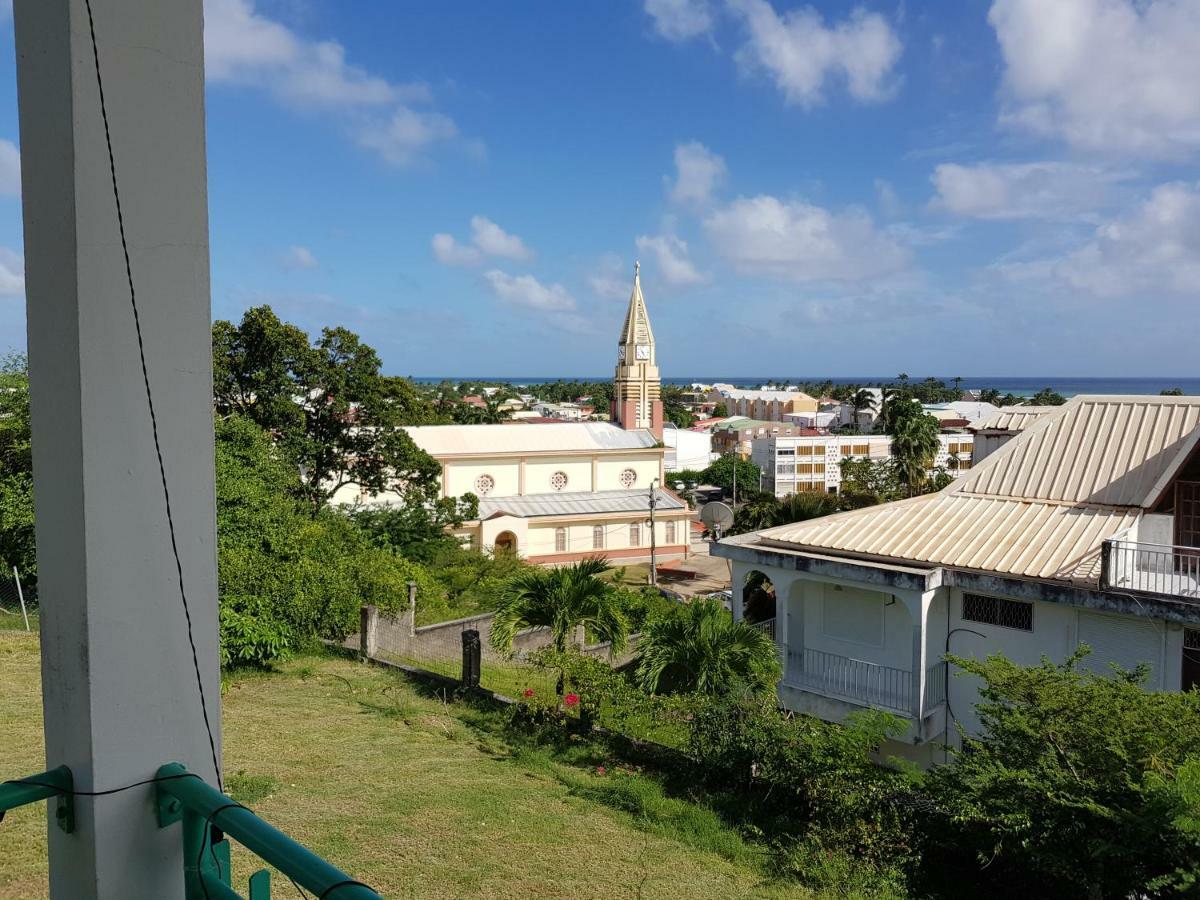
x=765 y=405
x=738 y=434
x=799 y=464
x=1084 y=528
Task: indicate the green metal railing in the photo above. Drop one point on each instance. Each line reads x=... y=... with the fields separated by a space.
x=207 y=816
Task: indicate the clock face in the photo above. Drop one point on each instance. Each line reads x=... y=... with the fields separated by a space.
x=621 y=353
x=643 y=351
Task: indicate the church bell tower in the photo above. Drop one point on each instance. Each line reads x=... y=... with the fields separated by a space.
x=637 y=389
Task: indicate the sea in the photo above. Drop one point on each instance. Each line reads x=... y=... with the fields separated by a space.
x=1021 y=387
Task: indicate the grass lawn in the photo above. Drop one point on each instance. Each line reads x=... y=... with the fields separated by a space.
x=418 y=798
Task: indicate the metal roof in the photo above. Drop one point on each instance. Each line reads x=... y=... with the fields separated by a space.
x=1038 y=507
x=451 y=440
x=528 y=506
x=1011 y=418
x=1108 y=450
x=1028 y=538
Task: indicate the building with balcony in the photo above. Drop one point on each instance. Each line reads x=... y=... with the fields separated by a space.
x=799 y=464
x=765 y=405
x=1081 y=529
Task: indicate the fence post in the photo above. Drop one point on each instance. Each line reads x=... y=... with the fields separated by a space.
x=368 y=631
x=471 y=648
x=412 y=609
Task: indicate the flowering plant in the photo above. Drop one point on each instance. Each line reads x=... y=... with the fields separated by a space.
x=571 y=700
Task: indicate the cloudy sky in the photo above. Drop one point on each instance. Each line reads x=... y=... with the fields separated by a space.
x=959 y=187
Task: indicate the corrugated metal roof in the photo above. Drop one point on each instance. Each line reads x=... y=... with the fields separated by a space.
x=1106 y=450
x=450 y=440
x=583 y=503
x=1040 y=506
x=1027 y=538
x=1012 y=418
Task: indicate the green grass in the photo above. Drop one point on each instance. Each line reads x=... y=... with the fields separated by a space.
x=418 y=797
x=11 y=619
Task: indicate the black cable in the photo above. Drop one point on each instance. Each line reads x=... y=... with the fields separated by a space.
x=162 y=470
x=340 y=884
x=74 y=793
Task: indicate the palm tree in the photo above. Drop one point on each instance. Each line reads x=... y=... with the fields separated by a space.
x=703 y=649
x=915 y=446
x=560 y=599
x=802 y=507
x=860 y=400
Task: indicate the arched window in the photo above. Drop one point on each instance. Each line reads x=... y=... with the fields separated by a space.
x=560 y=540
x=635 y=534
x=484 y=485
x=558 y=481
x=669 y=528
x=597 y=537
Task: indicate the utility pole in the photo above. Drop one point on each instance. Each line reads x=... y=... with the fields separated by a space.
x=653 y=580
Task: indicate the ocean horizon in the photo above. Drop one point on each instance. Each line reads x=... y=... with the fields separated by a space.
x=1023 y=386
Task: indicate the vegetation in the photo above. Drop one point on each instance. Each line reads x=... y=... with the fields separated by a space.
x=765 y=511
x=16 y=471
x=703 y=650
x=914 y=444
x=561 y=599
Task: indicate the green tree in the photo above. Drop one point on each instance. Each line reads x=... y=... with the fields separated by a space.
x=720 y=411
x=327 y=405
x=703 y=649
x=561 y=599
x=914 y=445
x=765 y=511
x=721 y=473
x=862 y=399
x=867 y=482
x=1066 y=791
x=1171 y=392
x=990 y=395
x=17 y=546
x=1047 y=397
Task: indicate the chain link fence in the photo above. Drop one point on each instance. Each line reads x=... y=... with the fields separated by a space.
x=17 y=603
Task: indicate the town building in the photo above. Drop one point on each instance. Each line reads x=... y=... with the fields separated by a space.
x=994 y=431
x=687 y=448
x=554 y=490
x=737 y=434
x=1081 y=529
x=812 y=463
x=764 y=405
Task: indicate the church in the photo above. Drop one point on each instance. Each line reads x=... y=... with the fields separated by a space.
x=559 y=493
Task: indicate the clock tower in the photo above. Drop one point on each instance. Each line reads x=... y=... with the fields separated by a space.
x=637 y=389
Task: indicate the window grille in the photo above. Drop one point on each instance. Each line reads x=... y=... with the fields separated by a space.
x=1191 y=639
x=669 y=528
x=635 y=535
x=560 y=540
x=998 y=611
x=597 y=537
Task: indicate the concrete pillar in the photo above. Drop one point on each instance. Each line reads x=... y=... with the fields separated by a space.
x=120 y=693
x=918 y=608
x=368 y=632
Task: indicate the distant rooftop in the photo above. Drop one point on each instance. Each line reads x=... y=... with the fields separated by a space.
x=582 y=503
x=1011 y=418
x=449 y=440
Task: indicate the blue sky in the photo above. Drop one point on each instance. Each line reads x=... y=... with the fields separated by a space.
x=1005 y=188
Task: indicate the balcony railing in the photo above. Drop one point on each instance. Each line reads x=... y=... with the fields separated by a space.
x=766 y=626
x=855 y=680
x=1164 y=569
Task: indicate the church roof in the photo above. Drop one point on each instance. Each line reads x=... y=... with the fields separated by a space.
x=637 y=321
x=476 y=440
x=581 y=503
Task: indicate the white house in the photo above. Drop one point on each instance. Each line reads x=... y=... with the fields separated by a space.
x=1083 y=528
x=686 y=449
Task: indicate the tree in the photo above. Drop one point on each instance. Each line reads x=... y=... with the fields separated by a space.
x=703 y=649
x=867 y=482
x=860 y=400
x=1068 y=790
x=765 y=511
x=561 y=599
x=914 y=445
x=17 y=546
x=1171 y=392
x=721 y=473
x=990 y=395
x=720 y=411
x=327 y=406
x=1047 y=397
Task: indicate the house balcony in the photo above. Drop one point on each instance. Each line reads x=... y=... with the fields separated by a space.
x=861 y=683
x=1164 y=570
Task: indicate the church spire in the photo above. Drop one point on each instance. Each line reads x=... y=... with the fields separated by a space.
x=637 y=390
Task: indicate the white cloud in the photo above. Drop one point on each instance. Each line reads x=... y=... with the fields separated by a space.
x=1038 y=190
x=680 y=20
x=802 y=54
x=244 y=47
x=887 y=198
x=495 y=241
x=10 y=169
x=487 y=238
x=450 y=252
x=12 y=273
x=610 y=279
x=795 y=240
x=297 y=257
x=1153 y=250
x=698 y=171
x=526 y=291
x=671 y=253
x=1110 y=76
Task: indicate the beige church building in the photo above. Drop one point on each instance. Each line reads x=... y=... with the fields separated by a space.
x=556 y=493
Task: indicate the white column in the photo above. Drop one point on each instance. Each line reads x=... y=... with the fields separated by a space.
x=120 y=693
x=918 y=608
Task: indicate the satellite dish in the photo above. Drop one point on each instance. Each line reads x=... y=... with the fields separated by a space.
x=716 y=517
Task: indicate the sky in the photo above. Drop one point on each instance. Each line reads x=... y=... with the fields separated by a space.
x=952 y=186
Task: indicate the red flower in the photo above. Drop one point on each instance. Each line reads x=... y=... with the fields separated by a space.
x=600 y=770
x=528 y=692
x=571 y=699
